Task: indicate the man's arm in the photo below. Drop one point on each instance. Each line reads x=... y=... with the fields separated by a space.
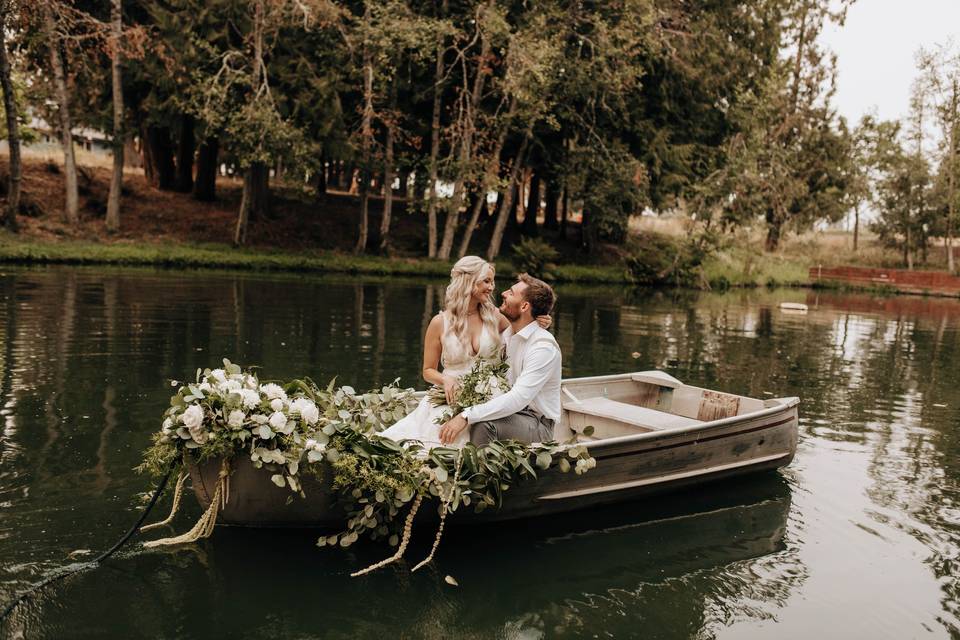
x=537 y=366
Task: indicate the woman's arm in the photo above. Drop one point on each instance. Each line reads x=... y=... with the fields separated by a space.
x=503 y=323
x=432 y=348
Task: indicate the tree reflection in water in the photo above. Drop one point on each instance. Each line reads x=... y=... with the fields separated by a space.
x=87 y=354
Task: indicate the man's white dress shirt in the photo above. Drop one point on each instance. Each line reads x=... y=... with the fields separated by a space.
x=535 y=371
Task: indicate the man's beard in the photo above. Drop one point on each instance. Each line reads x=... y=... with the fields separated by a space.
x=509 y=315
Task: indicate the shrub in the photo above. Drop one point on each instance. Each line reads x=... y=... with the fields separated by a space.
x=536 y=257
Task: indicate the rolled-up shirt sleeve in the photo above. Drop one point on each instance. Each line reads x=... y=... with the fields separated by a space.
x=538 y=362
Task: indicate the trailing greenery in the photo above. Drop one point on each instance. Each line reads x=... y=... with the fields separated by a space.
x=298 y=427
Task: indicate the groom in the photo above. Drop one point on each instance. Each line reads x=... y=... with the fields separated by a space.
x=529 y=410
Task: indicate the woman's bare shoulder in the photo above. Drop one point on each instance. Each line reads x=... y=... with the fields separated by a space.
x=502 y=322
x=436 y=324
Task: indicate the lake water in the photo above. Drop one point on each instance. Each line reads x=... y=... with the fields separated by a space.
x=858 y=538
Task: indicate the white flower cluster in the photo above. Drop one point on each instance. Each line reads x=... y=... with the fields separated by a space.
x=235 y=403
x=228 y=410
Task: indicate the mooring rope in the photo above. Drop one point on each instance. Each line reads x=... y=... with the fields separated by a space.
x=103 y=556
x=204 y=526
x=177 y=493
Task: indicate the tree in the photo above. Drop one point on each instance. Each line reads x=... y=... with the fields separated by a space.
x=55 y=37
x=941 y=83
x=116 y=180
x=12 y=112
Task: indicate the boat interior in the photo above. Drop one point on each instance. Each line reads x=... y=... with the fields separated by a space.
x=646 y=401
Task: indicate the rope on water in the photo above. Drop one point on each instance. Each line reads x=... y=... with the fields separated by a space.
x=103 y=556
x=407 y=529
x=445 y=508
x=204 y=526
x=177 y=493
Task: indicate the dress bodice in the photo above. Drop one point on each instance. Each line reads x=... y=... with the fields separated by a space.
x=458 y=359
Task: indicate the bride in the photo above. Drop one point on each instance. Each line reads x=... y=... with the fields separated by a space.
x=468 y=328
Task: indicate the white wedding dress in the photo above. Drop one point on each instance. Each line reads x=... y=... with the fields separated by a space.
x=456 y=361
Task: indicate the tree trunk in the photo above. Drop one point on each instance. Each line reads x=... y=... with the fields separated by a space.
x=497 y=238
x=518 y=198
x=774 y=229
x=366 y=143
x=533 y=207
x=856 y=227
x=388 y=177
x=116 y=180
x=255 y=200
x=550 y=220
x=435 y=146
x=260 y=208
x=466 y=151
x=71 y=212
x=564 y=213
x=489 y=177
x=161 y=157
x=246 y=204
x=588 y=232
x=205 y=187
x=185 y=149
x=13 y=127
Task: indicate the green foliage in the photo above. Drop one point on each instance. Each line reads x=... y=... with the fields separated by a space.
x=659 y=260
x=536 y=257
x=294 y=427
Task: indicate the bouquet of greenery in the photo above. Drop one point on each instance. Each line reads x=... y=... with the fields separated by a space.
x=229 y=411
x=486 y=380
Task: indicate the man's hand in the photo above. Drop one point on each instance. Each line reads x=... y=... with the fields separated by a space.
x=452 y=428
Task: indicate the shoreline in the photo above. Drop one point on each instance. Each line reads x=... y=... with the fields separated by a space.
x=15 y=250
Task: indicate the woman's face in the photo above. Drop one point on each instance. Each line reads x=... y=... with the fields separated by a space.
x=483 y=289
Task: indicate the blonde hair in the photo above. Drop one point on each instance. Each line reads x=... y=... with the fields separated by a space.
x=464 y=276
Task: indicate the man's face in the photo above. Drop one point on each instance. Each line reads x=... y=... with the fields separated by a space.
x=514 y=303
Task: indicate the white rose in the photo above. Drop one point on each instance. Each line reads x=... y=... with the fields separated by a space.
x=250 y=382
x=250 y=398
x=276 y=404
x=230 y=386
x=192 y=417
x=278 y=421
x=236 y=418
x=307 y=410
x=205 y=387
x=273 y=391
x=219 y=375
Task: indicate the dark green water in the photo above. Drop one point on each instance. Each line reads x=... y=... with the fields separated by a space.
x=858 y=538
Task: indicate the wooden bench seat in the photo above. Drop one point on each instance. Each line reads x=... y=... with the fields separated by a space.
x=612 y=418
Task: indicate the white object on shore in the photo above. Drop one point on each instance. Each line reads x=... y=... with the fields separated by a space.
x=793 y=307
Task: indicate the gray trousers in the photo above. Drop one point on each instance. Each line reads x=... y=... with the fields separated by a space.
x=525 y=425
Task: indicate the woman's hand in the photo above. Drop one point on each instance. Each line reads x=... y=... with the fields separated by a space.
x=450 y=388
x=544 y=321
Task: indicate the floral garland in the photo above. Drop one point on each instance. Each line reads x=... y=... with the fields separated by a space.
x=298 y=427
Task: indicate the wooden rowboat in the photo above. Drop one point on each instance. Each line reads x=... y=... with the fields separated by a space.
x=652 y=433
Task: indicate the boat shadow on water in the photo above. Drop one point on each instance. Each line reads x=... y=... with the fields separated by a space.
x=558 y=575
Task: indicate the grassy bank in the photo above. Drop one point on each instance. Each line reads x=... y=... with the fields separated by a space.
x=17 y=250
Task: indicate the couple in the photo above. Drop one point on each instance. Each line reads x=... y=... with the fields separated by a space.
x=471 y=327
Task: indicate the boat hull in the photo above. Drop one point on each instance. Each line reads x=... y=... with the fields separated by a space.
x=628 y=467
